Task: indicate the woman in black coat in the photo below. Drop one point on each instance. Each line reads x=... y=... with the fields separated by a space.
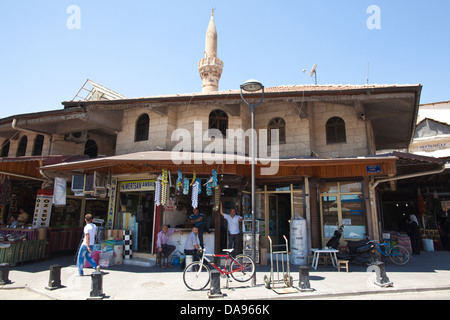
x=414 y=233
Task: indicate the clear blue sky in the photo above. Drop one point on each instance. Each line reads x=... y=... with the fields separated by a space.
x=145 y=47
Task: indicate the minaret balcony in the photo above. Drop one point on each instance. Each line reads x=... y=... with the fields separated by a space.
x=210 y=61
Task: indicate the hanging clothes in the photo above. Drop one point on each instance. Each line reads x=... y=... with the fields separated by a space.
x=179 y=180
x=185 y=186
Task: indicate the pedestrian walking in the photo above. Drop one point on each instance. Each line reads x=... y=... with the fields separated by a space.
x=89 y=232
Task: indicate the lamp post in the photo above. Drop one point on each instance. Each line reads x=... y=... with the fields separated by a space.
x=253 y=86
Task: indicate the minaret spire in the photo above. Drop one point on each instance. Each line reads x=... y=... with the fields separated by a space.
x=210 y=67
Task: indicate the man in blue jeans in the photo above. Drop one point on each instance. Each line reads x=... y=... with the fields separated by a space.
x=90 y=230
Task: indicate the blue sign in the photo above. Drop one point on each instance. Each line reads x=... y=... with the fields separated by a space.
x=373 y=169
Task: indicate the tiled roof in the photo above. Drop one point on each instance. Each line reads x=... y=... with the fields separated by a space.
x=295 y=88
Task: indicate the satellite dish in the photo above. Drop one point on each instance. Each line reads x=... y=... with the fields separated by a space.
x=313 y=70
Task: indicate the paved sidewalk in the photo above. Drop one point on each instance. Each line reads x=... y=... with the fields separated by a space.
x=429 y=271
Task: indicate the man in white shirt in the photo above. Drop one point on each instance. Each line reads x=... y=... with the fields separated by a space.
x=90 y=230
x=192 y=245
x=233 y=229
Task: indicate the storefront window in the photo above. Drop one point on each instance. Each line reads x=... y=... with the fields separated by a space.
x=352 y=216
x=329 y=187
x=68 y=215
x=279 y=188
x=297 y=205
x=342 y=205
x=347 y=187
x=330 y=215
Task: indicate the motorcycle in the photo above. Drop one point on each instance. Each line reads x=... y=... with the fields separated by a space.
x=359 y=252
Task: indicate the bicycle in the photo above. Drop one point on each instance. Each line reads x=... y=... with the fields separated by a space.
x=397 y=254
x=196 y=276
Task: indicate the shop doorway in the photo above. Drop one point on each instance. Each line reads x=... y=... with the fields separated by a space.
x=279 y=217
x=230 y=200
x=136 y=213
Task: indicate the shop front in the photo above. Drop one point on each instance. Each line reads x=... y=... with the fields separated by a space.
x=143 y=206
x=31 y=228
x=428 y=198
x=150 y=192
x=135 y=211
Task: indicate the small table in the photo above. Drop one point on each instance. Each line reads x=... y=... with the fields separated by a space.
x=317 y=253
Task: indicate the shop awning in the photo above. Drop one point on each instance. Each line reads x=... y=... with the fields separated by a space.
x=155 y=161
x=29 y=167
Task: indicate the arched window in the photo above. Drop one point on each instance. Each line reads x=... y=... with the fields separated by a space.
x=277 y=124
x=91 y=149
x=218 y=119
x=38 y=144
x=142 y=126
x=336 y=131
x=22 y=148
x=5 y=148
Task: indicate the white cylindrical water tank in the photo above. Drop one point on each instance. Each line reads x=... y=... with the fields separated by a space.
x=299 y=242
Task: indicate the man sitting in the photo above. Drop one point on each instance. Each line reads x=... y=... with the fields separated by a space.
x=162 y=248
x=191 y=246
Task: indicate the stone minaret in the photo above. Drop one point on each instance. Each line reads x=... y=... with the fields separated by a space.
x=210 y=66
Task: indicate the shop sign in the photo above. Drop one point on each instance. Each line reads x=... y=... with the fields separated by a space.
x=112 y=204
x=373 y=169
x=43 y=209
x=138 y=185
x=428 y=146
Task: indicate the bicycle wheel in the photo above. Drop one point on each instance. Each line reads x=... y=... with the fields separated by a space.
x=242 y=268
x=196 y=276
x=399 y=255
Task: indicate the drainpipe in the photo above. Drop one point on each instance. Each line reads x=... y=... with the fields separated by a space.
x=407 y=176
x=374 y=184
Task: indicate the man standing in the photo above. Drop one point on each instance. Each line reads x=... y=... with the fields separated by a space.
x=233 y=229
x=162 y=248
x=90 y=230
x=198 y=219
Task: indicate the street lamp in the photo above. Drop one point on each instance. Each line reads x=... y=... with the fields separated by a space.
x=253 y=86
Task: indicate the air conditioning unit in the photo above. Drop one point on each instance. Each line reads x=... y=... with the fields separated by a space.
x=100 y=185
x=78 y=185
x=77 y=137
x=90 y=185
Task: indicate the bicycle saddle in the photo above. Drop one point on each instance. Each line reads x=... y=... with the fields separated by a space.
x=228 y=250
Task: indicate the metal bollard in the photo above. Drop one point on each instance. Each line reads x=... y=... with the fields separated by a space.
x=214 y=291
x=54 y=281
x=97 y=286
x=303 y=282
x=382 y=279
x=4 y=274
